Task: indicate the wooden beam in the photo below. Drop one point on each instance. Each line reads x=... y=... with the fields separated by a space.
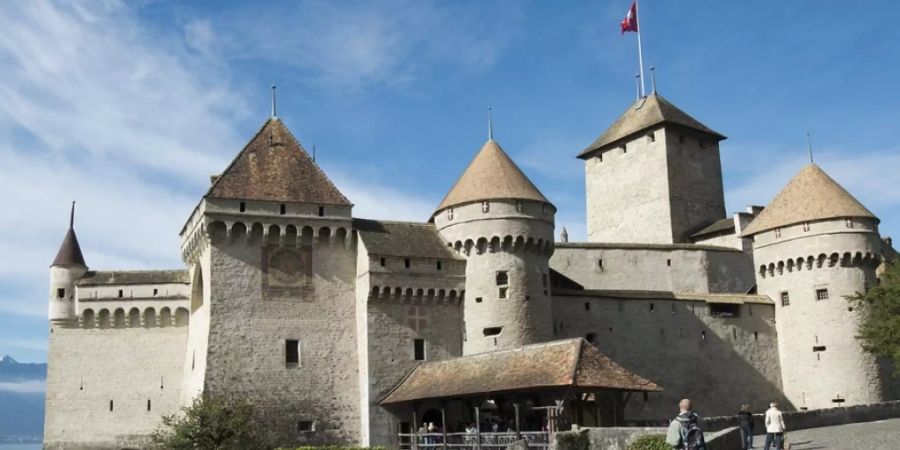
x=478 y=426
x=415 y=423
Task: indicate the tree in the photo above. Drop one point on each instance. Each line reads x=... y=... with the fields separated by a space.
x=210 y=423
x=879 y=309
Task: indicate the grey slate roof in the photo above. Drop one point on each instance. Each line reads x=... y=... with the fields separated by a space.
x=491 y=175
x=665 y=295
x=636 y=246
x=811 y=195
x=726 y=224
x=120 y=277
x=69 y=252
x=388 y=238
x=645 y=113
x=274 y=167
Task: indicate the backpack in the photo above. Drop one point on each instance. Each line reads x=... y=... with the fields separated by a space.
x=692 y=436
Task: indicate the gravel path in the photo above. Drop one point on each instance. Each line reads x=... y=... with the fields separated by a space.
x=883 y=434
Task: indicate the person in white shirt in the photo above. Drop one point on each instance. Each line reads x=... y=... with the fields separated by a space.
x=774 y=427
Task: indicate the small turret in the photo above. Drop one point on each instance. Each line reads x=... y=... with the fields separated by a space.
x=67 y=267
x=501 y=223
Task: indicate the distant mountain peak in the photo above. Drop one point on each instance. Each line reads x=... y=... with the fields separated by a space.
x=8 y=360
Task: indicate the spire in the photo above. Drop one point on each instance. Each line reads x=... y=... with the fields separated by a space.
x=490 y=124
x=564 y=236
x=70 y=251
x=809 y=147
x=274 y=109
x=491 y=175
x=810 y=195
x=653 y=79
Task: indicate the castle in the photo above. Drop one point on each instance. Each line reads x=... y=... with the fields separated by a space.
x=341 y=329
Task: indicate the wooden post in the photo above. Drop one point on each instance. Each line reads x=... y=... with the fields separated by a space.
x=518 y=429
x=415 y=423
x=444 y=423
x=478 y=426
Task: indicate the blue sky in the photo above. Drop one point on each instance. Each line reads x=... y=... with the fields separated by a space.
x=128 y=108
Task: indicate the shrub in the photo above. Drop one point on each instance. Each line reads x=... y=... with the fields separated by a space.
x=573 y=440
x=210 y=423
x=650 y=442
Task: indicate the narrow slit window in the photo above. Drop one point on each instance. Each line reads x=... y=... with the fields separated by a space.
x=439 y=266
x=485 y=207
x=519 y=207
x=805 y=226
x=155 y=291
x=282 y=209
x=651 y=137
x=778 y=232
x=111 y=405
x=321 y=211
x=587 y=306
x=406 y=263
x=624 y=148
x=120 y=293
x=600 y=263
x=292 y=352
x=669 y=262
x=61 y=293
x=419 y=349
x=450 y=214
x=383 y=261
x=652 y=307
x=493 y=331
x=148 y=405
x=242 y=207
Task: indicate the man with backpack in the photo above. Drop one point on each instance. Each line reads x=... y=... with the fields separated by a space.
x=684 y=432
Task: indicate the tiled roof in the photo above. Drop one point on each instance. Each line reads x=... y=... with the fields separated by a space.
x=558 y=364
x=726 y=224
x=274 y=167
x=635 y=246
x=491 y=175
x=412 y=239
x=118 y=277
x=69 y=252
x=645 y=113
x=811 y=195
x=664 y=295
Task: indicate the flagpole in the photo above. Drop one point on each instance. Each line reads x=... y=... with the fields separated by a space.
x=640 y=50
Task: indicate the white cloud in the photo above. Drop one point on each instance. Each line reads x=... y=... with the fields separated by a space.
x=29 y=344
x=23 y=387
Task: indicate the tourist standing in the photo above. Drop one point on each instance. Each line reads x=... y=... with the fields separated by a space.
x=774 y=427
x=745 y=420
x=684 y=431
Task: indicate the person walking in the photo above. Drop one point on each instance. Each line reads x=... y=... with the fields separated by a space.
x=684 y=432
x=745 y=421
x=774 y=427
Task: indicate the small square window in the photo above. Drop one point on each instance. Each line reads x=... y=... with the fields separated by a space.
x=406 y=263
x=503 y=292
x=478 y=299
x=305 y=426
x=382 y=261
x=439 y=266
x=292 y=352
x=419 y=349
x=321 y=211
x=485 y=207
x=785 y=299
x=243 y=207
x=61 y=293
x=821 y=294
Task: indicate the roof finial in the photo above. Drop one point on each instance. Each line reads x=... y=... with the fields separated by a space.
x=809 y=147
x=72 y=216
x=564 y=236
x=637 y=80
x=490 y=124
x=652 y=78
x=314 y=152
x=274 y=111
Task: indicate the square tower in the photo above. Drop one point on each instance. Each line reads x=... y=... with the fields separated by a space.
x=653 y=177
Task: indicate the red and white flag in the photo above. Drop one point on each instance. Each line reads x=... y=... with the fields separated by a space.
x=630 y=22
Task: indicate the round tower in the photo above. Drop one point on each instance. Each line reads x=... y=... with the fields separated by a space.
x=500 y=222
x=813 y=246
x=67 y=267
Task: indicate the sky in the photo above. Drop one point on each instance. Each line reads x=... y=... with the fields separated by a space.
x=129 y=108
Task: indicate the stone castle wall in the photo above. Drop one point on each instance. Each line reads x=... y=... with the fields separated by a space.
x=720 y=362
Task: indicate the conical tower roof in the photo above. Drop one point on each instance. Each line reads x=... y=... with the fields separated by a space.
x=274 y=167
x=491 y=175
x=645 y=113
x=69 y=253
x=810 y=195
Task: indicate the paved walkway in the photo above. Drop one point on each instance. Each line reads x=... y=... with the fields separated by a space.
x=884 y=434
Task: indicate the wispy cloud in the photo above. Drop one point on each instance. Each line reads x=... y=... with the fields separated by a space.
x=29 y=344
x=23 y=387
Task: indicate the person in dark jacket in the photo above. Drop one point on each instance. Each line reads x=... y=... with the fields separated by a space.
x=684 y=431
x=745 y=421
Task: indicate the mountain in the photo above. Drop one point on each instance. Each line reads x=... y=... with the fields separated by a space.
x=22 y=388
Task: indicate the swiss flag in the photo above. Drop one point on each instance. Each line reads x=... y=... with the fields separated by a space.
x=630 y=22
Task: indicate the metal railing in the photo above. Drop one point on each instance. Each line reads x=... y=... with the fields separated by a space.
x=492 y=441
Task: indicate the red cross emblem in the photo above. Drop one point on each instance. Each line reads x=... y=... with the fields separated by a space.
x=416 y=318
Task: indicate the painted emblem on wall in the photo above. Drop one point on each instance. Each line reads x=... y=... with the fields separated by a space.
x=415 y=318
x=287 y=273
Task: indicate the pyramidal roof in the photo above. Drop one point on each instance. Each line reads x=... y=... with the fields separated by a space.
x=274 y=167
x=69 y=253
x=491 y=175
x=645 y=113
x=810 y=195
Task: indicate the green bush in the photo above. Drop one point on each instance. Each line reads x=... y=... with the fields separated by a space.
x=210 y=423
x=650 y=442
x=573 y=440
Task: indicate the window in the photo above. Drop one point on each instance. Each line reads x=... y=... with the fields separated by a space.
x=478 y=299
x=120 y=293
x=419 y=349
x=292 y=352
x=383 y=261
x=821 y=294
x=652 y=307
x=818 y=348
x=485 y=207
x=519 y=207
x=503 y=292
x=111 y=405
x=155 y=291
x=545 y=209
x=439 y=267
x=450 y=214
x=669 y=262
x=703 y=335
x=492 y=331
x=600 y=157
x=624 y=148
x=148 y=405
x=305 y=426
x=590 y=337
x=282 y=209
x=406 y=263
x=805 y=226
x=321 y=211
x=243 y=207
x=778 y=232
x=849 y=222
x=502 y=278
x=651 y=137
x=724 y=310
x=600 y=263
x=785 y=299
x=193 y=359
x=587 y=306
x=61 y=293
x=756 y=335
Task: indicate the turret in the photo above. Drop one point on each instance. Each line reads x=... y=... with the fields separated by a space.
x=67 y=267
x=813 y=246
x=497 y=219
x=653 y=177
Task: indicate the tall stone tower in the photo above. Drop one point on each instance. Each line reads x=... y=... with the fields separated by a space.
x=67 y=267
x=814 y=245
x=502 y=224
x=653 y=177
x=271 y=254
